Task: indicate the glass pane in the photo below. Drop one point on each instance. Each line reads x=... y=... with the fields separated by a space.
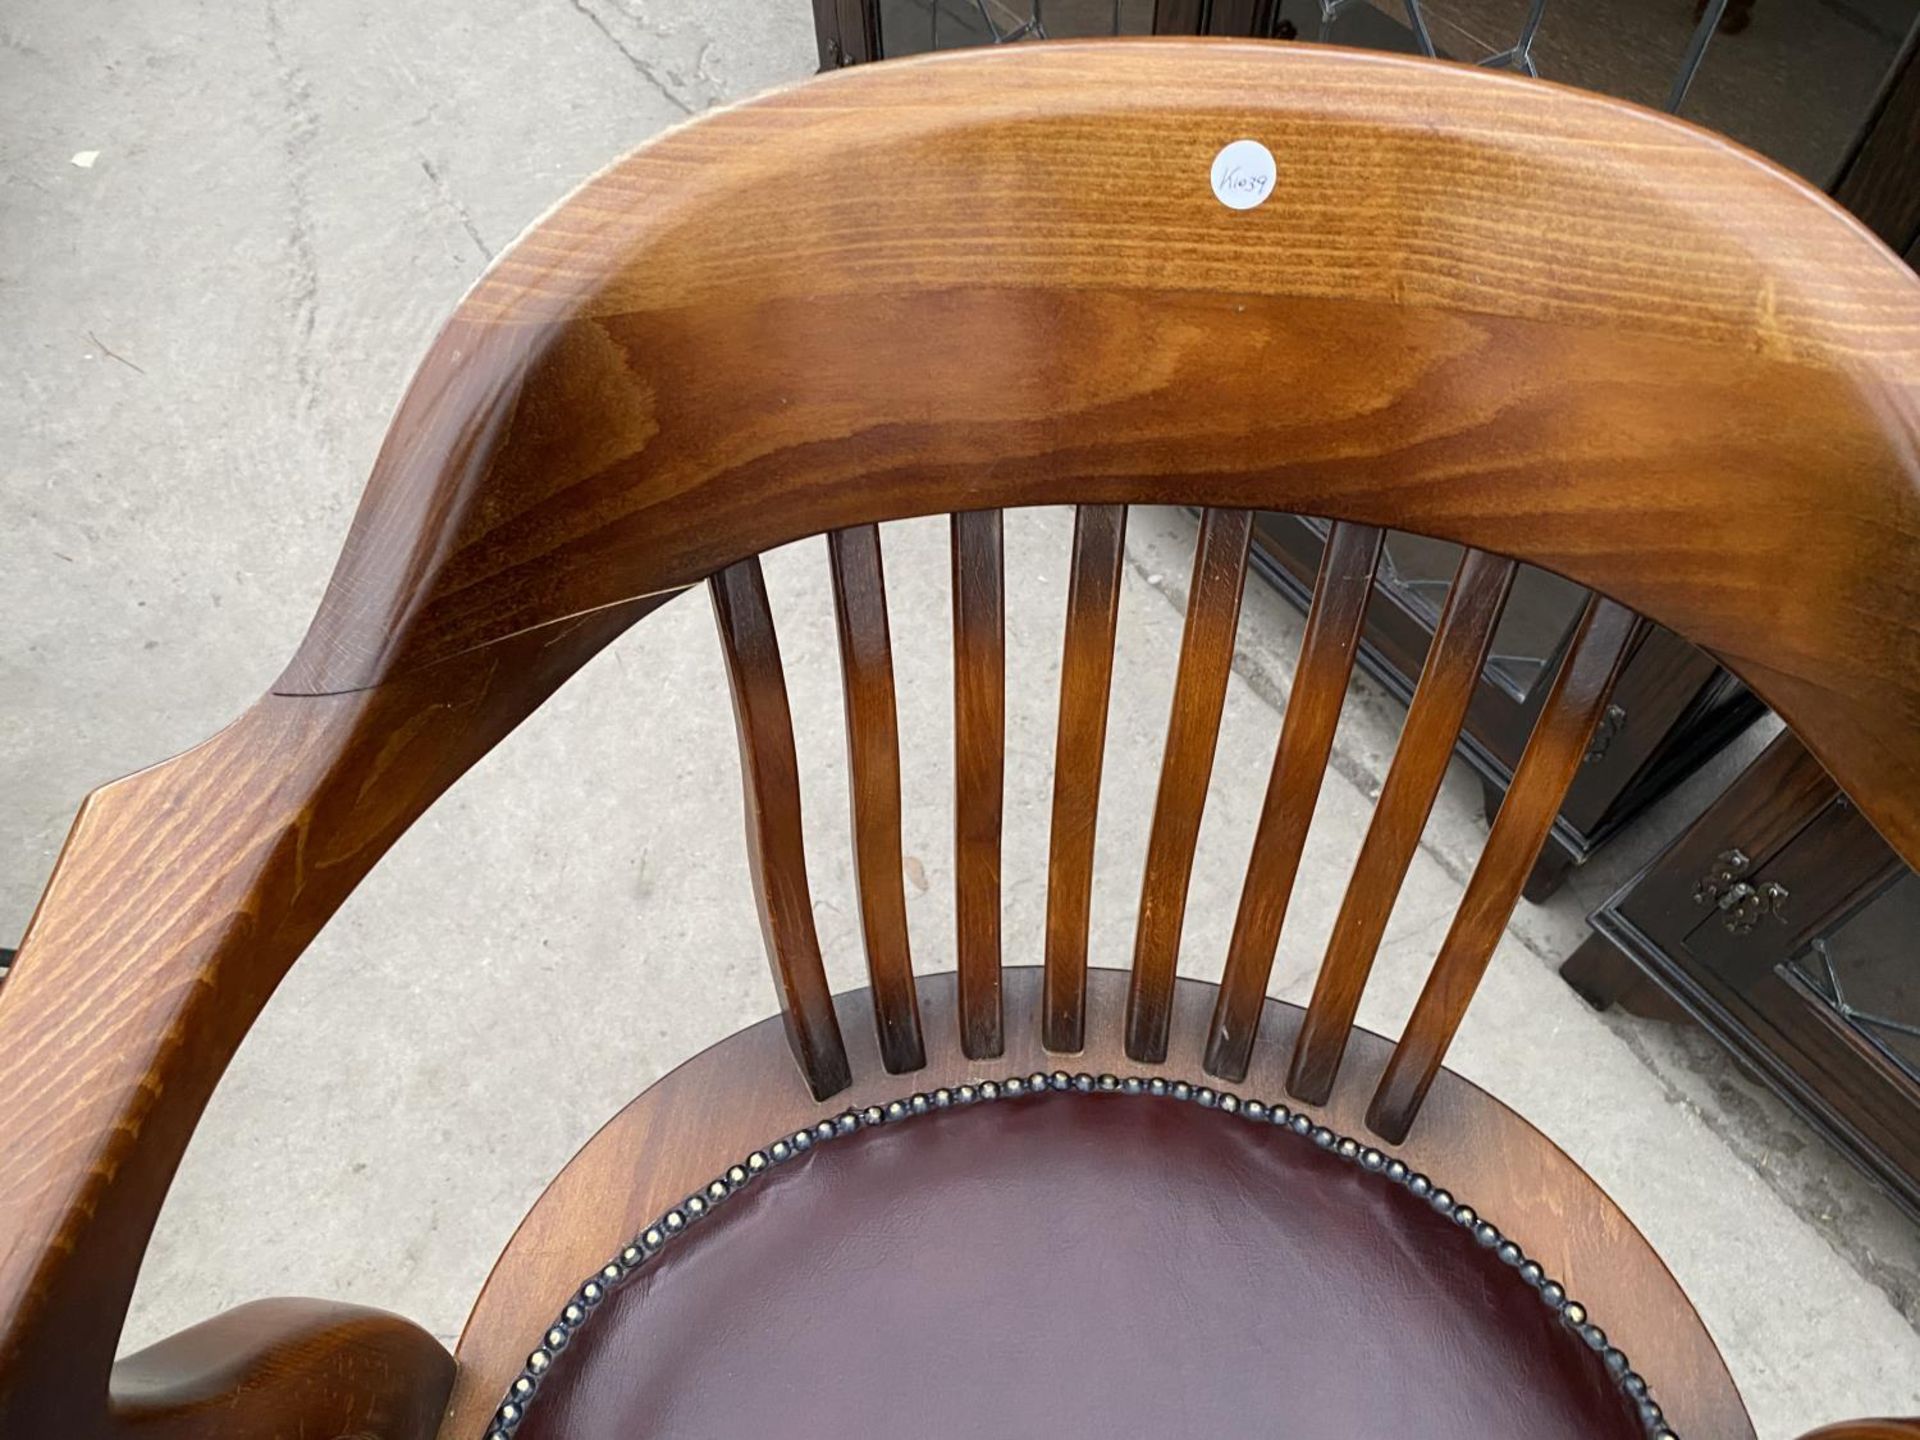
x=1067 y=18
x=1533 y=629
x=1868 y=969
x=908 y=27
x=1794 y=79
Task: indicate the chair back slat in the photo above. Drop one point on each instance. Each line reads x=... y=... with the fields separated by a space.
x=1199 y=695
x=1459 y=649
x=1334 y=621
x=873 y=779
x=1086 y=678
x=980 y=757
x=776 y=852
x=1553 y=755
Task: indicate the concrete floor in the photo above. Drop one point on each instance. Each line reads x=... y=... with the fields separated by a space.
x=205 y=331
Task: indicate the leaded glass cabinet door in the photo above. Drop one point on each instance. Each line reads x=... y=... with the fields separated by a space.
x=1825 y=88
x=1784 y=925
x=1802 y=81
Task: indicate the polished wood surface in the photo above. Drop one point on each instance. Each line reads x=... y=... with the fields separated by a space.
x=1460 y=645
x=289 y=1368
x=1559 y=744
x=801 y=315
x=1327 y=653
x=776 y=847
x=1378 y=342
x=1080 y=749
x=1193 y=729
x=979 y=770
x=183 y=894
x=743 y=1093
x=873 y=771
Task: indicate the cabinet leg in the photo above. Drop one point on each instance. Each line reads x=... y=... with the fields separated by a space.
x=1548 y=872
x=1604 y=977
x=1490 y=797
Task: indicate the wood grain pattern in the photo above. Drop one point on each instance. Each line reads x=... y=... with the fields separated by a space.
x=799 y=315
x=181 y=897
x=836 y=259
x=738 y=1095
x=1327 y=652
x=1080 y=747
x=1199 y=695
x=776 y=845
x=979 y=771
x=1460 y=645
x=277 y=1368
x=1559 y=743
x=873 y=777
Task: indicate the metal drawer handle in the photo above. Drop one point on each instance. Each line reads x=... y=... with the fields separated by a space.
x=1728 y=866
x=1743 y=906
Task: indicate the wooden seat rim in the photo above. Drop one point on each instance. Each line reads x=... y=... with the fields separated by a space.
x=743 y=1092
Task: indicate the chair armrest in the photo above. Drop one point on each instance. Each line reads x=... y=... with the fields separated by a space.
x=286 y=1367
x=183 y=895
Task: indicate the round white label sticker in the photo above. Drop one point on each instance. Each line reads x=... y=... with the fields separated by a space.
x=1243 y=174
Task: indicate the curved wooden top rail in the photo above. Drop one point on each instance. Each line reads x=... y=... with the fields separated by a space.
x=1528 y=319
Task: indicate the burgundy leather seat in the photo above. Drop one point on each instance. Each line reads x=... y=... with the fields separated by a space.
x=1080 y=1265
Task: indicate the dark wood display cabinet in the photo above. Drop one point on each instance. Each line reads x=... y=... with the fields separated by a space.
x=1853 y=126
x=1782 y=923
x=1671 y=708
